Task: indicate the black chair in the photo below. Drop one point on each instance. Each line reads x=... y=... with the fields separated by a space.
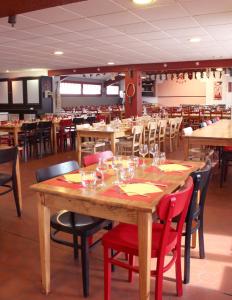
x=226 y=158
x=78 y=121
x=73 y=223
x=10 y=156
x=195 y=217
x=90 y=120
x=27 y=138
x=44 y=137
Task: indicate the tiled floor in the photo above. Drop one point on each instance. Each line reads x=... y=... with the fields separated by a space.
x=19 y=252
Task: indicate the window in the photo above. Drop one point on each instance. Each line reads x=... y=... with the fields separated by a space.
x=67 y=88
x=112 y=90
x=91 y=89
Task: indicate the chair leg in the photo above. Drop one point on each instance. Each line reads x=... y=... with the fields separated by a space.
x=187 y=258
x=222 y=172
x=159 y=279
x=179 y=288
x=85 y=265
x=75 y=246
x=201 y=239
x=107 y=275
x=16 y=197
x=131 y=263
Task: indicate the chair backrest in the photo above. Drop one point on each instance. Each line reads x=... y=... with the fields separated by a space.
x=78 y=121
x=26 y=127
x=152 y=128
x=187 y=131
x=56 y=170
x=45 y=125
x=9 y=155
x=171 y=206
x=94 y=158
x=137 y=132
x=66 y=123
x=201 y=180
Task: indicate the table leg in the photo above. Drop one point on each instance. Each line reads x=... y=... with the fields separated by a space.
x=112 y=140
x=78 y=148
x=145 y=235
x=19 y=183
x=186 y=148
x=44 y=239
x=16 y=139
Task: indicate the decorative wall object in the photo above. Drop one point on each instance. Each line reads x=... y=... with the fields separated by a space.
x=33 y=91
x=217 y=90
x=17 y=91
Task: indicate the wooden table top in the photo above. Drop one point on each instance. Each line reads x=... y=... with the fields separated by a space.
x=220 y=130
x=96 y=196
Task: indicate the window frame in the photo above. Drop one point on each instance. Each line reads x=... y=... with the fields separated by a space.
x=82 y=83
x=72 y=82
x=113 y=95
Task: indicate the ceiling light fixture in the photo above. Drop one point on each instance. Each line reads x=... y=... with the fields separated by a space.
x=58 y=52
x=143 y=2
x=195 y=40
x=7 y=71
x=110 y=63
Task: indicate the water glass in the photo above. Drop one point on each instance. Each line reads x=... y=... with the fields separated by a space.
x=143 y=151
x=88 y=179
x=134 y=161
x=154 y=149
x=127 y=174
x=102 y=168
x=117 y=165
x=162 y=158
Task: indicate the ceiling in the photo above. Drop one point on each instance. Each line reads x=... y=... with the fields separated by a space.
x=94 y=32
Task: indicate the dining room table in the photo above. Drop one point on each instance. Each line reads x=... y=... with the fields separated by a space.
x=111 y=202
x=217 y=134
x=105 y=132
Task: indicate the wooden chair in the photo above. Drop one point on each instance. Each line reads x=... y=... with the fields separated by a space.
x=28 y=139
x=150 y=139
x=131 y=146
x=166 y=239
x=94 y=158
x=171 y=133
x=195 y=216
x=179 y=121
x=75 y=224
x=44 y=137
x=161 y=134
x=9 y=181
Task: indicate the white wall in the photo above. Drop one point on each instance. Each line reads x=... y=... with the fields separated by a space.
x=26 y=73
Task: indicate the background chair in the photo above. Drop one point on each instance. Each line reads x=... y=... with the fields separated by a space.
x=226 y=158
x=73 y=223
x=166 y=239
x=10 y=156
x=130 y=146
x=94 y=158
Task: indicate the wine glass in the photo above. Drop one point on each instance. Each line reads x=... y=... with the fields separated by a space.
x=88 y=179
x=154 y=151
x=117 y=165
x=102 y=168
x=134 y=161
x=143 y=151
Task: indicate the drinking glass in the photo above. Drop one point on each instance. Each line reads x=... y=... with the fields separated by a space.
x=154 y=150
x=117 y=165
x=127 y=174
x=143 y=151
x=88 y=179
x=134 y=161
x=102 y=168
x=162 y=158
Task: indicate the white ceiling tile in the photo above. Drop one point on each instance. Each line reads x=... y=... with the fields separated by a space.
x=175 y=23
x=116 y=19
x=186 y=32
x=199 y=7
x=90 y=8
x=150 y=35
x=80 y=25
x=102 y=32
x=136 y=28
x=46 y=30
x=214 y=19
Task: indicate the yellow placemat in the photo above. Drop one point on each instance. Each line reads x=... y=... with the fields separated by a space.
x=134 y=189
x=73 y=177
x=173 y=168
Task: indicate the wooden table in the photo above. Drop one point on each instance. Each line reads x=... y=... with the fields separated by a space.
x=94 y=203
x=217 y=134
x=111 y=135
x=12 y=128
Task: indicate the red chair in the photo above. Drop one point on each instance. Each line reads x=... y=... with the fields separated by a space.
x=166 y=239
x=65 y=133
x=94 y=158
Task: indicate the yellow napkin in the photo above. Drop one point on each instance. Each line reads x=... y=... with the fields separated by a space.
x=139 y=189
x=73 y=177
x=173 y=167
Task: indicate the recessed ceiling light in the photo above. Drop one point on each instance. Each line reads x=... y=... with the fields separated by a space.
x=195 y=40
x=219 y=69
x=143 y=2
x=7 y=71
x=110 y=63
x=58 y=52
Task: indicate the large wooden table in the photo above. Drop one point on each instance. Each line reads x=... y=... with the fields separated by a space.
x=95 y=204
x=217 y=134
x=110 y=135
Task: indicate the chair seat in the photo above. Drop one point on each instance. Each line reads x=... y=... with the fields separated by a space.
x=62 y=221
x=4 y=178
x=124 y=237
x=92 y=144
